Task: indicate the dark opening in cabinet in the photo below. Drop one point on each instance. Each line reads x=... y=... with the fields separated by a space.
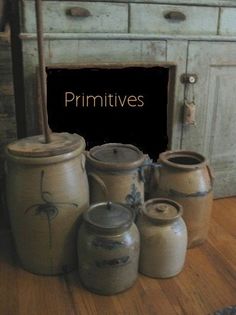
x=111 y=104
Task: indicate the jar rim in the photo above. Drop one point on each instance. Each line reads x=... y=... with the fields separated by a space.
x=35 y=147
x=123 y=226
x=183 y=159
x=114 y=166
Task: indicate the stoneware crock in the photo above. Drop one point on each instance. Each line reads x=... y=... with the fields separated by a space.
x=163 y=236
x=108 y=248
x=187 y=178
x=47 y=190
x=116 y=173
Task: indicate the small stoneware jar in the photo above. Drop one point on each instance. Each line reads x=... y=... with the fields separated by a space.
x=163 y=238
x=116 y=173
x=108 y=248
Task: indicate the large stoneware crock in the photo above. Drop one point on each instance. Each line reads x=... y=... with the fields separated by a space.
x=47 y=190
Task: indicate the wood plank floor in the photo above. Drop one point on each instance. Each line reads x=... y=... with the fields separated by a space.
x=207 y=283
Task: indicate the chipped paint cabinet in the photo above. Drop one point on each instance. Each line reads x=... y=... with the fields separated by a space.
x=214 y=134
x=187 y=36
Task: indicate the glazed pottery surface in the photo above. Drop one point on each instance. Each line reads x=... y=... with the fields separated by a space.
x=163 y=236
x=186 y=177
x=47 y=190
x=108 y=249
x=116 y=174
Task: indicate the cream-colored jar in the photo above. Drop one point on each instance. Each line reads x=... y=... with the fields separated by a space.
x=108 y=249
x=186 y=177
x=115 y=173
x=47 y=190
x=163 y=237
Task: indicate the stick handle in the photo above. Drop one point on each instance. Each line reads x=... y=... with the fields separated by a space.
x=42 y=69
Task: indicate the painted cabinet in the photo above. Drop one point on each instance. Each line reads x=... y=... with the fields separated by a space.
x=187 y=36
x=173 y=19
x=214 y=134
x=79 y=17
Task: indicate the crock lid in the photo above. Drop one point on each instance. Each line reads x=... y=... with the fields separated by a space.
x=116 y=155
x=108 y=216
x=162 y=210
x=183 y=159
x=35 y=146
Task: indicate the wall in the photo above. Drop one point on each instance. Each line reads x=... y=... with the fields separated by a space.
x=7 y=114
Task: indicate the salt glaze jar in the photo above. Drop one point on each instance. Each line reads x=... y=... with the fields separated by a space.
x=186 y=177
x=116 y=173
x=163 y=236
x=108 y=248
x=47 y=190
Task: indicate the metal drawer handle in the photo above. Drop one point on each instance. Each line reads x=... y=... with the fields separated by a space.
x=78 y=11
x=175 y=16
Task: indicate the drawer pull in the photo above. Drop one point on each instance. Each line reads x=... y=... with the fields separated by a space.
x=175 y=16
x=77 y=11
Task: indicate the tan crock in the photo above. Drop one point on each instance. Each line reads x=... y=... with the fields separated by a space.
x=108 y=248
x=163 y=237
x=186 y=177
x=116 y=174
x=47 y=190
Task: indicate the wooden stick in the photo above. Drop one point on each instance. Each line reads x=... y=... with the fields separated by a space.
x=42 y=69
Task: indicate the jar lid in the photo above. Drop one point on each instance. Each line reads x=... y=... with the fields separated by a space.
x=109 y=217
x=116 y=155
x=162 y=210
x=35 y=146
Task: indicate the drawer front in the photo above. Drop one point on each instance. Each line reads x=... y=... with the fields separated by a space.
x=170 y=19
x=228 y=21
x=77 y=17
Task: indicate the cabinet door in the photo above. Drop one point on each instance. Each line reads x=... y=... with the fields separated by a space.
x=215 y=96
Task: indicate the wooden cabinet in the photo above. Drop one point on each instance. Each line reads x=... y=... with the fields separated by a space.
x=78 y=17
x=227 y=21
x=196 y=37
x=76 y=52
x=173 y=19
x=214 y=134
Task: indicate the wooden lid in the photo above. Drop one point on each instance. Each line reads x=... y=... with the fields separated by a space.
x=35 y=146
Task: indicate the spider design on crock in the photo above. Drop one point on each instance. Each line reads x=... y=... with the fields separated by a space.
x=47 y=209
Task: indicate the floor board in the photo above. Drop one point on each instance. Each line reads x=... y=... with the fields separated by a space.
x=207 y=283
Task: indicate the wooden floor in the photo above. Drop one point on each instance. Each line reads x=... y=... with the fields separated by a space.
x=207 y=283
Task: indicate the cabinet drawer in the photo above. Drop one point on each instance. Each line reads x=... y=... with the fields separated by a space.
x=228 y=21
x=170 y=19
x=77 y=17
